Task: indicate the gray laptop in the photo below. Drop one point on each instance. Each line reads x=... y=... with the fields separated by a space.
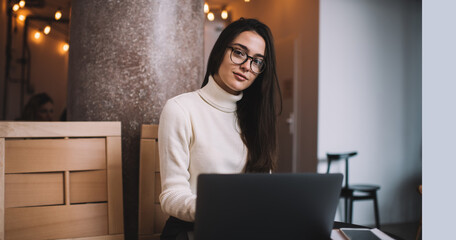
x=266 y=206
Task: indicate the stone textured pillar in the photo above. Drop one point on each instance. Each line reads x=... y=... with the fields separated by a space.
x=126 y=59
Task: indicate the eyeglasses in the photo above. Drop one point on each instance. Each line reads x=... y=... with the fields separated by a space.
x=239 y=57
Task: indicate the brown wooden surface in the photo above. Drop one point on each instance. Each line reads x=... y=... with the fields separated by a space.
x=59 y=129
x=157 y=159
x=56 y=222
x=45 y=155
x=157 y=187
x=151 y=217
x=159 y=218
x=88 y=186
x=114 y=175
x=67 y=187
x=2 y=188
x=149 y=131
x=106 y=237
x=149 y=237
x=37 y=189
x=67 y=221
x=146 y=190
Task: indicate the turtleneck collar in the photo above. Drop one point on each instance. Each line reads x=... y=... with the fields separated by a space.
x=213 y=94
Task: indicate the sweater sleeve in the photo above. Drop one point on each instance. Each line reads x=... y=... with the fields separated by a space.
x=174 y=137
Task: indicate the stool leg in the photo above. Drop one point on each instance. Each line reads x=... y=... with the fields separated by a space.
x=377 y=221
x=351 y=210
x=346 y=209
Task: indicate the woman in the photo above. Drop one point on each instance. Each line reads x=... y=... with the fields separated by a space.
x=40 y=107
x=227 y=126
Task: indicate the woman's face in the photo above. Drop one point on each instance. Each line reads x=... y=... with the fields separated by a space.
x=235 y=78
x=45 y=112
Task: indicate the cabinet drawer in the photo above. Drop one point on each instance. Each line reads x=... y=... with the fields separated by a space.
x=88 y=186
x=35 y=189
x=51 y=155
x=56 y=222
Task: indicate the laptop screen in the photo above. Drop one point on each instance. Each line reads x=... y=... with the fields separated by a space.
x=266 y=206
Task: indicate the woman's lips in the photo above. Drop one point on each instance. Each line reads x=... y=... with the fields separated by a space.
x=240 y=77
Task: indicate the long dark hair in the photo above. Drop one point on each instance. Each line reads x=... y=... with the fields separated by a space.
x=256 y=111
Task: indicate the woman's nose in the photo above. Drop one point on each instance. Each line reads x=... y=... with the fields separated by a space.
x=246 y=65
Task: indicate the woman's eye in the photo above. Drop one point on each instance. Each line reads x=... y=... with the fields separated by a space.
x=258 y=61
x=238 y=52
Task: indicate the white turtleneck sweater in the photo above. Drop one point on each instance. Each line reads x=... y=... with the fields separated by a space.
x=198 y=133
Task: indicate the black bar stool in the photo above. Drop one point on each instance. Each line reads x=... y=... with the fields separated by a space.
x=352 y=193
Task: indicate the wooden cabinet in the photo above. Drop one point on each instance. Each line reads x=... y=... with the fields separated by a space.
x=151 y=217
x=60 y=180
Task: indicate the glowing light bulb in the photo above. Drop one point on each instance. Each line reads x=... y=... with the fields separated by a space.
x=58 y=15
x=37 y=35
x=21 y=17
x=16 y=7
x=21 y=3
x=65 y=47
x=47 y=29
x=210 y=16
x=246 y=0
x=206 y=8
x=224 y=14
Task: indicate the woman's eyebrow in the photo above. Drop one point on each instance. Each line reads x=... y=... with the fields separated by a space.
x=247 y=49
x=242 y=46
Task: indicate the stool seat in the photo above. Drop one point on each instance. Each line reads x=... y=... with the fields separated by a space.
x=354 y=192
x=364 y=187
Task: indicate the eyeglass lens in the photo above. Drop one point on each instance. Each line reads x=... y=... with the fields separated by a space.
x=239 y=57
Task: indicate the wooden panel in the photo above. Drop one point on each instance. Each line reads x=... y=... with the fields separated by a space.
x=159 y=219
x=106 y=237
x=88 y=186
x=2 y=188
x=157 y=188
x=46 y=155
x=146 y=186
x=157 y=159
x=114 y=174
x=149 y=237
x=56 y=222
x=149 y=131
x=59 y=129
x=36 y=189
x=67 y=187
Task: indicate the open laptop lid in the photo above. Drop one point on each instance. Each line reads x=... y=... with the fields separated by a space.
x=266 y=206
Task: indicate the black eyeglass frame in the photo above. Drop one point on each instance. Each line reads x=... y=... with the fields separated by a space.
x=245 y=60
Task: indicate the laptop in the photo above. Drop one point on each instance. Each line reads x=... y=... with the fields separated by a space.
x=266 y=206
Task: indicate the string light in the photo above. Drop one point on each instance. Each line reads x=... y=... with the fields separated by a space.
x=47 y=29
x=21 y=17
x=58 y=15
x=37 y=35
x=246 y=0
x=210 y=16
x=16 y=7
x=21 y=3
x=206 y=7
x=65 y=47
x=224 y=14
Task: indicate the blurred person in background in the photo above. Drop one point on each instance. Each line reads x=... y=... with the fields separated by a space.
x=40 y=107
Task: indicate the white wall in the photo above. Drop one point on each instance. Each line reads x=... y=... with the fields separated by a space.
x=439 y=118
x=370 y=99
